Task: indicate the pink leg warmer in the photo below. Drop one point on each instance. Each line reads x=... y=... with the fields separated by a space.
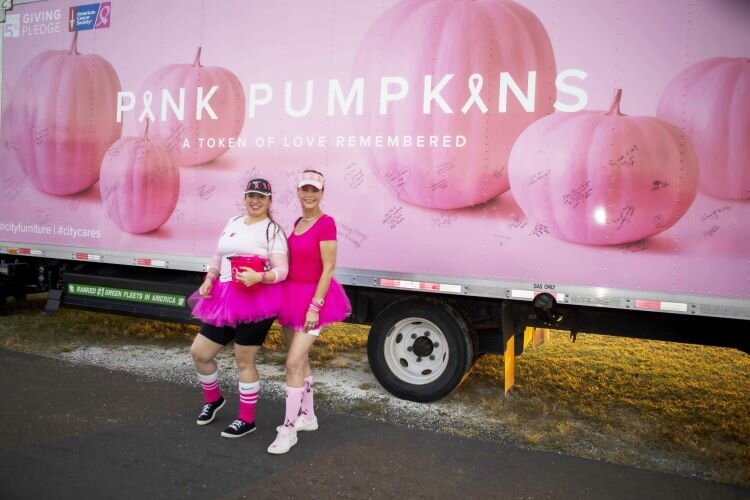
x=293 y=404
x=307 y=400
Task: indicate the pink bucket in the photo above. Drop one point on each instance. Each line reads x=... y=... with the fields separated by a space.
x=252 y=261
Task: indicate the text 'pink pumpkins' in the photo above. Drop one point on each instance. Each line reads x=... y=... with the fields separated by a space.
x=182 y=135
x=603 y=178
x=139 y=184
x=63 y=118
x=475 y=42
x=710 y=101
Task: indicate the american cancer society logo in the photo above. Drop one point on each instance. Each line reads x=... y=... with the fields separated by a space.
x=93 y=16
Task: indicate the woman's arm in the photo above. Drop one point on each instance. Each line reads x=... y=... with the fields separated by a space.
x=211 y=276
x=328 y=256
x=278 y=272
x=279 y=268
x=278 y=259
x=214 y=265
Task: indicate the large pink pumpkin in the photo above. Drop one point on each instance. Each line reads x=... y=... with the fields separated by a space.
x=140 y=184
x=710 y=101
x=603 y=178
x=228 y=103
x=64 y=118
x=415 y=38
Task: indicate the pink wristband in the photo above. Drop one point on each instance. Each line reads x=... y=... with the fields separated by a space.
x=313 y=307
x=263 y=277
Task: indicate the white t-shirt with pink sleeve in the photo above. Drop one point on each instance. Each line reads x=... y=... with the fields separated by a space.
x=239 y=238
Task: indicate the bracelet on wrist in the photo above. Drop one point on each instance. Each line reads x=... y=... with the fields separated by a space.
x=209 y=276
x=313 y=307
x=263 y=277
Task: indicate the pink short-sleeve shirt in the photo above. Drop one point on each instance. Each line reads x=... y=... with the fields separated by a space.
x=305 y=261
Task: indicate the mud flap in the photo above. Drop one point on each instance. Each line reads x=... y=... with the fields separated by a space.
x=54 y=299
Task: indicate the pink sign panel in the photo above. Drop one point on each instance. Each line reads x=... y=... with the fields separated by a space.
x=598 y=143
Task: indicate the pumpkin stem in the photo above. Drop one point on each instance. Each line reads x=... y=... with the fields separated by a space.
x=145 y=132
x=197 y=61
x=615 y=107
x=74 y=45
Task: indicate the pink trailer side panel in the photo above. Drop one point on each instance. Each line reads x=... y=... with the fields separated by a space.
x=475 y=140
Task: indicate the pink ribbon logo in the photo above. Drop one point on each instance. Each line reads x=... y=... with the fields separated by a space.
x=102 y=18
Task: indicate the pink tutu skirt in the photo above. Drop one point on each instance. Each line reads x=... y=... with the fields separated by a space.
x=230 y=305
x=297 y=297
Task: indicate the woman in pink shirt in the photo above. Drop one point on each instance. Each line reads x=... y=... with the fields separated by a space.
x=311 y=300
x=240 y=308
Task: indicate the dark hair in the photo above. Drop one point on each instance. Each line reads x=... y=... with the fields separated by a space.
x=277 y=227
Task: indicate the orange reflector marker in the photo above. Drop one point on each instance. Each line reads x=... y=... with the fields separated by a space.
x=150 y=262
x=24 y=251
x=419 y=285
x=87 y=257
x=658 y=305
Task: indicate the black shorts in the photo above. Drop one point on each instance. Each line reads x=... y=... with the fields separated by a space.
x=245 y=333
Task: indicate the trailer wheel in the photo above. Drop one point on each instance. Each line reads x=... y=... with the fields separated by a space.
x=420 y=349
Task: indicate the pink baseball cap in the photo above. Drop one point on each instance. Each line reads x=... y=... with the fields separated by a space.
x=311 y=178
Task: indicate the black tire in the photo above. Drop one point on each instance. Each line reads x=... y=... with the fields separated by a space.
x=420 y=349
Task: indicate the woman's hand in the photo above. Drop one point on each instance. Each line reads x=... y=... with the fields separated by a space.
x=311 y=320
x=205 y=288
x=249 y=277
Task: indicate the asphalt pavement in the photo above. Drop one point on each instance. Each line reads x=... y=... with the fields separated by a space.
x=71 y=431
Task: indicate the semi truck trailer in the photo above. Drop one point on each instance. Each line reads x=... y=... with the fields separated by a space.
x=492 y=165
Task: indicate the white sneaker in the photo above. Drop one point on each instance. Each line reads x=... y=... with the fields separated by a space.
x=302 y=424
x=285 y=439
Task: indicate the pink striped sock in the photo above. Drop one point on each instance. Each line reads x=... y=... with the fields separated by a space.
x=210 y=384
x=307 y=400
x=249 y=392
x=293 y=403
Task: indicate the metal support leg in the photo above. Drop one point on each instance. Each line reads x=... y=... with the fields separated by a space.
x=509 y=346
x=528 y=335
x=539 y=337
x=509 y=363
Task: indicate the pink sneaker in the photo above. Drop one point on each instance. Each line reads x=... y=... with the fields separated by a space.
x=302 y=424
x=285 y=439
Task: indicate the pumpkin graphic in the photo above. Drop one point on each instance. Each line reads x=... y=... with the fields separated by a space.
x=710 y=101
x=603 y=178
x=63 y=118
x=183 y=135
x=139 y=184
x=475 y=41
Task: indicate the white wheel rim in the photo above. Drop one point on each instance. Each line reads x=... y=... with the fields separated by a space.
x=416 y=351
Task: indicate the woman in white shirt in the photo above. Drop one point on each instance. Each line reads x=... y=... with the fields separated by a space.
x=240 y=308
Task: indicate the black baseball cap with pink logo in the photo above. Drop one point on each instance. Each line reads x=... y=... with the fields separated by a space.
x=259 y=186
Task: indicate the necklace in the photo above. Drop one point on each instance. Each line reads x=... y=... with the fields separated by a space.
x=310 y=219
